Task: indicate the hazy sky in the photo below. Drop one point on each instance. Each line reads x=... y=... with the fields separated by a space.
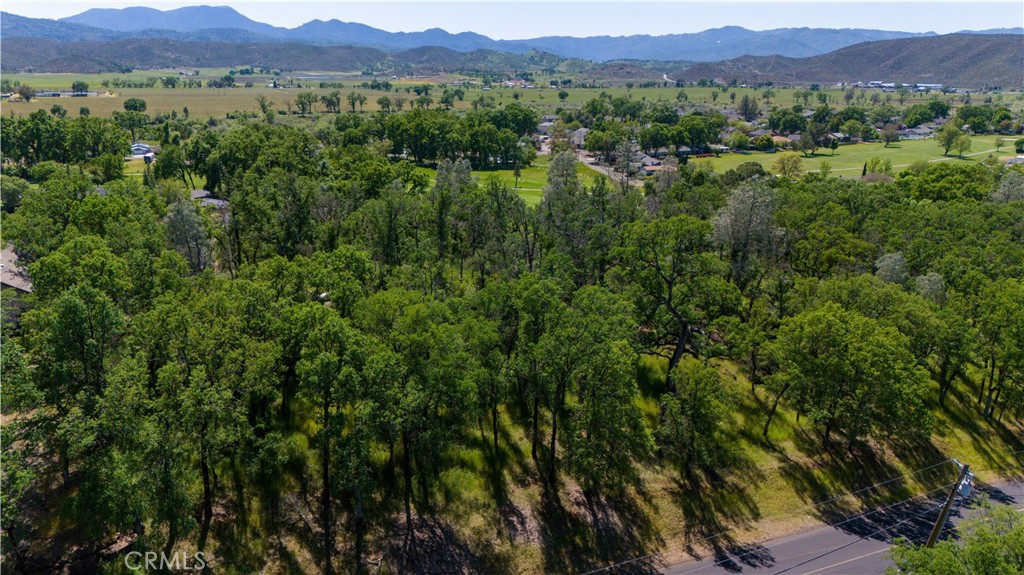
x=511 y=20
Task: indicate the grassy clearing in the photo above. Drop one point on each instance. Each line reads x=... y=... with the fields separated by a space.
x=849 y=160
x=532 y=178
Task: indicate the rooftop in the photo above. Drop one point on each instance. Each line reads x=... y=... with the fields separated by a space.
x=12 y=274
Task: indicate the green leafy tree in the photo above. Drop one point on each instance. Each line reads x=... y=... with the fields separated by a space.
x=131 y=120
x=26 y=92
x=947 y=137
x=188 y=236
x=606 y=434
x=330 y=376
x=788 y=165
x=991 y=542
x=429 y=388
x=847 y=373
x=890 y=135
x=748 y=108
x=1001 y=327
x=677 y=284
x=38 y=226
x=135 y=105
x=739 y=141
x=690 y=432
x=594 y=319
x=539 y=305
x=304 y=101
x=962 y=144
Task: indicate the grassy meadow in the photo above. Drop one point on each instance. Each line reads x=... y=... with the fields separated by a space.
x=849 y=159
x=216 y=102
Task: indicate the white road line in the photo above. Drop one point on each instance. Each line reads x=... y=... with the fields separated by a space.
x=847 y=561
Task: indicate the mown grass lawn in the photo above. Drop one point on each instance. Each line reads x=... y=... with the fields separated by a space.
x=532 y=178
x=849 y=160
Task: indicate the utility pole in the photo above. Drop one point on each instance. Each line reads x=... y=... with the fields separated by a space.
x=945 y=508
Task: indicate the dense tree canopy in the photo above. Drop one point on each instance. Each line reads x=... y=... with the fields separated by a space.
x=358 y=324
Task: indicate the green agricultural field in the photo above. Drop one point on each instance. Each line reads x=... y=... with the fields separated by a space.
x=214 y=102
x=849 y=160
x=201 y=102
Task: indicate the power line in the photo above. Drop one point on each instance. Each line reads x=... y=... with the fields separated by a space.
x=844 y=521
x=862 y=538
x=806 y=506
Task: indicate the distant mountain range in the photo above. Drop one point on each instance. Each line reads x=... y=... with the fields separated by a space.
x=224 y=24
x=41 y=55
x=956 y=60
x=962 y=60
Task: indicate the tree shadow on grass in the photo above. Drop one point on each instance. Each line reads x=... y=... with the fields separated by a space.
x=713 y=506
x=432 y=547
x=585 y=531
x=848 y=479
x=995 y=442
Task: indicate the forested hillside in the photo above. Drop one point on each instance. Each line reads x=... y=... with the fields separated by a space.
x=952 y=59
x=374 y=356
x=961 y=60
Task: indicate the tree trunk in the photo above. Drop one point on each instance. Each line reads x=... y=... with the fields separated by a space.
x=536 y=415
x=991 y=380
x=325 y=497
x=944 y=381
x=771 y=414
x=204 y=463
x=172 y=521
x=993 y=398
x=407 y=474
x=554 y=434
x=677 y=356
x=207 y=497
x=494 y=426
x=65 y=466
x=359 y=528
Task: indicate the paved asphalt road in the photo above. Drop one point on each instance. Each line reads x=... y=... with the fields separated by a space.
x=854 y=547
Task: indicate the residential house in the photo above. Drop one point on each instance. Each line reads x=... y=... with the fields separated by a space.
x=918 y=133
x=578 y=137
x=205 y=198
x=646 y=160
x=12 y=275
x=650 y=170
